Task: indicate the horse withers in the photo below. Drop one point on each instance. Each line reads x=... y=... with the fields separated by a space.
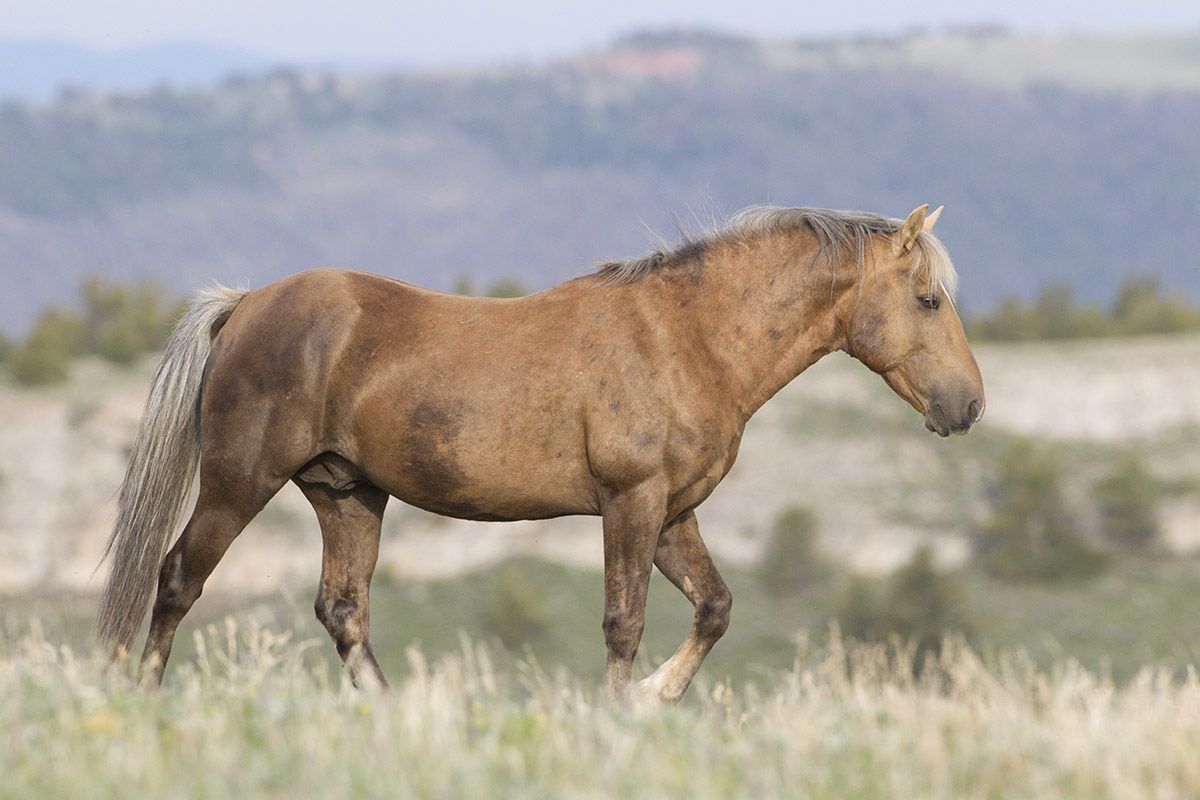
x=622 y=393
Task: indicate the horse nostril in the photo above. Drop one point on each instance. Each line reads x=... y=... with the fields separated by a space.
x=973 y=411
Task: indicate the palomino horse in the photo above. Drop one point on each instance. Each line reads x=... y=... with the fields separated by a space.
x=622 y=393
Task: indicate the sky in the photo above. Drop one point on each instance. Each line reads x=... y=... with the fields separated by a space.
x=458 y=31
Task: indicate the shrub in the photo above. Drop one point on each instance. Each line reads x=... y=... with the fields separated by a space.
x=505 y=287
x=45 y=355
x=123 y=322
x=508 y=287
x=1030 y=535
x=1140 y=307
x=917 y=603
x=514 y=611
x=118 y=324
x=791 y=560
x=1127 y=499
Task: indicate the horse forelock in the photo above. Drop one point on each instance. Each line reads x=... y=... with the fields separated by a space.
x=841 y=235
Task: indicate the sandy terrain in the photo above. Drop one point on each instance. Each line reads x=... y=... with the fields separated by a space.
x=62 y=455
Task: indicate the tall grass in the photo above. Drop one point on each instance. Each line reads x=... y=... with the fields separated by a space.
x=255 y=715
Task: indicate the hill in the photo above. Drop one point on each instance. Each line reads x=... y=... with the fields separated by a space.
x=39 y=69
x=1059 y=170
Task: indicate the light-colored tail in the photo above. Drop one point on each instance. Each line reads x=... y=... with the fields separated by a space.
x=161 y=468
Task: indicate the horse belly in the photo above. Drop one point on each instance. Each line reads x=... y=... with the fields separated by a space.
x=513 y=492
x=462 y=467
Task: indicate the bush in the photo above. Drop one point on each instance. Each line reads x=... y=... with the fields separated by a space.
x=118 y=324
x=508 y=287
x=122 y=322
x=514 y=611
x=918 y=603
x=791 y=561
x=1140 y=307
x=505 y=287
x=45 y=355
x=1127 y=499
x=1030 y=534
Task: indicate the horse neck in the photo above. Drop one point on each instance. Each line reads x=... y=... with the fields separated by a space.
x=762 y=312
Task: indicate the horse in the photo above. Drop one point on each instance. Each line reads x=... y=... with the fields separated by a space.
x=622 y=393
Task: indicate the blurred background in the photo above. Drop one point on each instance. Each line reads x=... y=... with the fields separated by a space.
x=146 y=150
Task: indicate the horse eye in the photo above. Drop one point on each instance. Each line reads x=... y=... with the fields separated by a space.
x=930 y=301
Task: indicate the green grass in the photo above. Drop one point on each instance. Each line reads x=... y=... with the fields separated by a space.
x=1100 y=699
x=1139 y=612
x=254 y=714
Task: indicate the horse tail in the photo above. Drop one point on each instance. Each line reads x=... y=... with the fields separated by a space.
x=162 y=466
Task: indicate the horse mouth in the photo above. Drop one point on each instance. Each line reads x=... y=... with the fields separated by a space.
x=937 y=422
x=937 y=425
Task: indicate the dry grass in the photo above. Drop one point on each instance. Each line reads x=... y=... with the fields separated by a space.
x=252 y=716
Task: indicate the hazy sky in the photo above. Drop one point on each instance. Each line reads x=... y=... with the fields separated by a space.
x=461 y=31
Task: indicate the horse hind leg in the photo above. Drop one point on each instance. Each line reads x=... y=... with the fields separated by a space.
x=223 y=510
x=350 y=519
x=682 y=557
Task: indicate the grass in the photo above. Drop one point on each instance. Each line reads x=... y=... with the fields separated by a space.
x=1140 y=611
x=256 y=715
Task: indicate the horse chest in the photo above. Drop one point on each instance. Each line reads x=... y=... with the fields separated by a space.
x=708 y=465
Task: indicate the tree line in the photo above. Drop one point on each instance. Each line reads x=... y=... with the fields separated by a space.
x=1141 y=306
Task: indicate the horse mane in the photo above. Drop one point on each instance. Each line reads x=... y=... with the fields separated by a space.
x=839 y=234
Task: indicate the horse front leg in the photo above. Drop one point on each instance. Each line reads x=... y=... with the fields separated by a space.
x=633 y=520
x=682 y=557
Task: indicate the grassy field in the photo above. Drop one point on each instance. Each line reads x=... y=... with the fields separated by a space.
x=256 y=714
x=1138 y=612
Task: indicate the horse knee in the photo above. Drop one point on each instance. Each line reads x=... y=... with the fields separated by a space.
x=713 y=613
x=622 y=632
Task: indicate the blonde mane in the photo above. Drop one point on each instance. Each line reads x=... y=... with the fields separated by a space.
x=840 y=235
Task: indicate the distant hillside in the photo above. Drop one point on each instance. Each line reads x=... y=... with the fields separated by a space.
x=537 y=173
x=40 y=69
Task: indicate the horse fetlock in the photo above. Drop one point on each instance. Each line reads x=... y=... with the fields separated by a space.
x=345 y=620
x=662 y=687
x=364 y=669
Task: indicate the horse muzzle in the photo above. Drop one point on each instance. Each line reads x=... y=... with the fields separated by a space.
x=946 y=418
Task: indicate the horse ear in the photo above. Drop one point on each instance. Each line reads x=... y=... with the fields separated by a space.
x=932 y=219
x=906 y=237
